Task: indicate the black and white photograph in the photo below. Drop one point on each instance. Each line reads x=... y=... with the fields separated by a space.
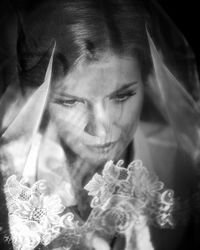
x=99 y=125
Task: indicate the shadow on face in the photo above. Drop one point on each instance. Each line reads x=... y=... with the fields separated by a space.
x=96 y=107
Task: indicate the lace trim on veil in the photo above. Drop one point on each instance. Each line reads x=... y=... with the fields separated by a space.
x=121 y=198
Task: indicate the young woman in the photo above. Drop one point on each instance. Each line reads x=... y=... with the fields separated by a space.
x=111 y=97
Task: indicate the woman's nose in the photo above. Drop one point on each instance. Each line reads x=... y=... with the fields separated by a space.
x=98 y=122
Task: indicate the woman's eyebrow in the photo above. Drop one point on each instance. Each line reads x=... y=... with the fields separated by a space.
x=65 y=95
x=123 y=88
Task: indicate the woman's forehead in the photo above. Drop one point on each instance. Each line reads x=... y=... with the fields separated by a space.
x=100 y=78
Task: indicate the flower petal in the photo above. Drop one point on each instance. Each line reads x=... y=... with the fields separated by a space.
x=95 y=184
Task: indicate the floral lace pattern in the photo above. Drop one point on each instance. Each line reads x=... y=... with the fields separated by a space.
x=34 y=214
x=134 y=186
x=120 y=196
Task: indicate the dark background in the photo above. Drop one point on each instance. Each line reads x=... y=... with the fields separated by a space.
x=186 y=16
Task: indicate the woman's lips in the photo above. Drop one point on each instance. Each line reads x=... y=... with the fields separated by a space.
x=102 y=148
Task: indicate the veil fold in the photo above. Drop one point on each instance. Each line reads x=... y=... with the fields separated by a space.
x=179 y=108
x=22 y=123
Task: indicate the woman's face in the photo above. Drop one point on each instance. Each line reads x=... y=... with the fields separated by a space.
x=96 y=107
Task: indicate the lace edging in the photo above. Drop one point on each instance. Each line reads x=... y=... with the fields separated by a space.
x=120 y=197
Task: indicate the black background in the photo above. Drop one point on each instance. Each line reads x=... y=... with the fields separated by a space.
x=186 y=16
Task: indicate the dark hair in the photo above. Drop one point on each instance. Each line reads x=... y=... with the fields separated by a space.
x=82 y=29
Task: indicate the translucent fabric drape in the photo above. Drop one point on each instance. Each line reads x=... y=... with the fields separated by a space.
x=142 y=197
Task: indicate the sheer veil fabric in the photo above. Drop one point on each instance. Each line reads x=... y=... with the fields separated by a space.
x=99 y=129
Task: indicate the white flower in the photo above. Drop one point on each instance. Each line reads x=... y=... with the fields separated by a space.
x=145 y=185
x=34 y=216
x=100 y=189
x=23 y=238
x=42 y=211
x=103 y=186
x=18 y=192
x=36 y=221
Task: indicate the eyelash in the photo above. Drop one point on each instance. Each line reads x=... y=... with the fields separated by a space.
x=68 y=103
x=123 y=97
x=120 y=98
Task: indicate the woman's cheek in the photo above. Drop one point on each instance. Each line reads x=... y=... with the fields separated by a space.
x=68 y=120
x=130 y=114
x=128 y=122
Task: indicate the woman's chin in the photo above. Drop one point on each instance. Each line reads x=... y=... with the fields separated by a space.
x=97 y=159
x=96 y=155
